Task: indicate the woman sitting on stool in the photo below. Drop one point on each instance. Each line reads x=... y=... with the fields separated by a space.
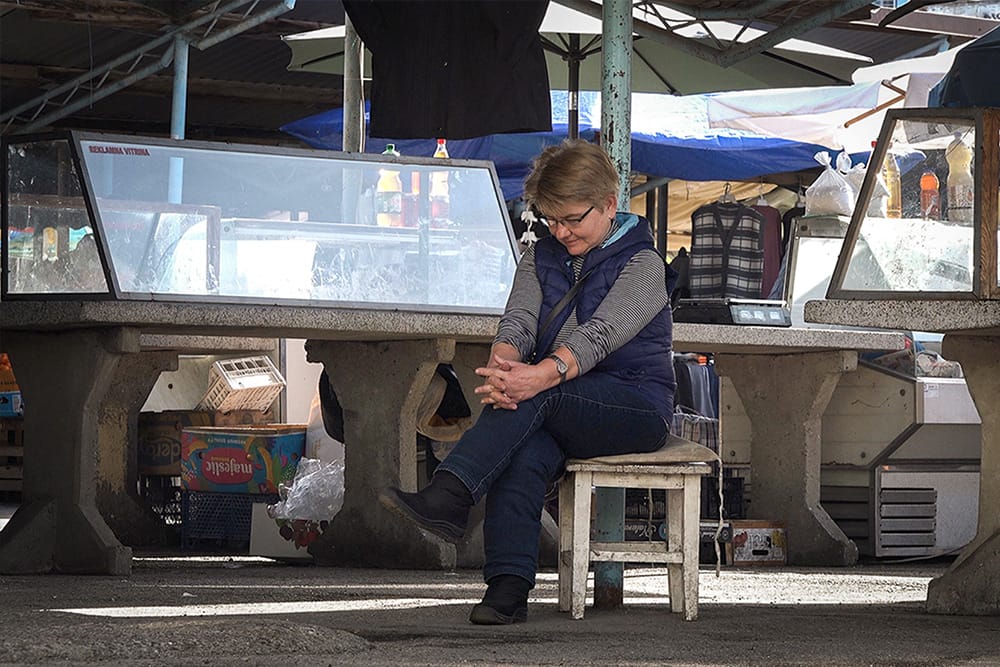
x=580 y=367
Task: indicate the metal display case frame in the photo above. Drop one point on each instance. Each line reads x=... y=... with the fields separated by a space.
x=932 y=127
x=84 y=184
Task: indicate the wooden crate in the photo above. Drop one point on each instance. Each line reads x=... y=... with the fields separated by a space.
x=11 y=458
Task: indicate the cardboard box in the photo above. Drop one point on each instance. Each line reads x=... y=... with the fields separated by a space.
x=284 y=539
x=11 y=404
x=246 y=459
x=757 y=543
x=242 y=417
x=160 y=439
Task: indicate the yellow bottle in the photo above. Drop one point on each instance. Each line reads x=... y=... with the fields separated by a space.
x=440 y=199
x=389 y=195
x=960 y=186
x=893 y=184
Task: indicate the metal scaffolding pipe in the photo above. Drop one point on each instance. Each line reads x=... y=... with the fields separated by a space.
x=100 y=90
x=616 y=137
x=103 y=92
x=243 y=26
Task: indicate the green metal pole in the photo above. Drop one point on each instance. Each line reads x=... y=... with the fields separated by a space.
x=616 y=137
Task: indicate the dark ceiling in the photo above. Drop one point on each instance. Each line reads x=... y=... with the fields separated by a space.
x=238 y=89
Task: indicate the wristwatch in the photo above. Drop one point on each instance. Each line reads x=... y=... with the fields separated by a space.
x=560 y=366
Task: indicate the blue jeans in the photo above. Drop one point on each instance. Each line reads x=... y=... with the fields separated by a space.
x=516 y=454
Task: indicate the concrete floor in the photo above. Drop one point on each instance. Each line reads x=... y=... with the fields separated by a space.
x=249 y=611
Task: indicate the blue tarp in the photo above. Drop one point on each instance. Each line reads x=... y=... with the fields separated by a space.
x=671 y=138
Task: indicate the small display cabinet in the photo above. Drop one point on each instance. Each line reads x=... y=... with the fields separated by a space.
x=100 y=216
x=925 y=226
x=929 y=262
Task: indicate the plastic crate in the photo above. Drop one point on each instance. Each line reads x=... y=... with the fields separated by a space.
x=218 y=520
x=251 y=383
x=11 y=459
x=162 y=494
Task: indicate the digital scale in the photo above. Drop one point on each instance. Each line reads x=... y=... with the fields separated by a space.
x=756 y=312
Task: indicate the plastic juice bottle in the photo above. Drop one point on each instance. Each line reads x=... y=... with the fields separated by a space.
x=440 y=200
x=961 y=188
x=930 y=196
x=890 y=174
x=389 y=195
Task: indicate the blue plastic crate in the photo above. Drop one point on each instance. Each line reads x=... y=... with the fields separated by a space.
x=218 y=519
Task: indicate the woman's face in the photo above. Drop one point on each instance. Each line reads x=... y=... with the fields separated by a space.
x=579 y=226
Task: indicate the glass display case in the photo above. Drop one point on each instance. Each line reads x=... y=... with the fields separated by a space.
x=925 y=225
x=100 y=216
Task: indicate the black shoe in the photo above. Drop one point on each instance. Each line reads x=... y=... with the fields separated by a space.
x=505 y=602
x=442 y=508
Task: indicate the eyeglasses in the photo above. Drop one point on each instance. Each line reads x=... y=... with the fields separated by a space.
x=568 y=222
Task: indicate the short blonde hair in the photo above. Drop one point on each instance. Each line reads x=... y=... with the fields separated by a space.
x=572 y=171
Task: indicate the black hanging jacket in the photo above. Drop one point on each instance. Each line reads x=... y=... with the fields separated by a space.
x=454 y=68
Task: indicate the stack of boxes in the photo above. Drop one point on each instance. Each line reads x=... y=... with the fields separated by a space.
x=204 y=469
x=10 y=393
x=11 y=434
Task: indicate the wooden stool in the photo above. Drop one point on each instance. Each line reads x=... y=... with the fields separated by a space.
x=677 y=467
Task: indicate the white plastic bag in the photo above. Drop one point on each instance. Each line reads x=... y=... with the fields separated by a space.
x=844 y=164
x=830 y=194
x=879 y=196
x=317 y=491
x=315 y=494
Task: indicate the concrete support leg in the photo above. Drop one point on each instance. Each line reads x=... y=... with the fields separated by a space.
x=785 y=397
x=972 y=584
x=132 y=522
x=58 y=528
x=379 y=386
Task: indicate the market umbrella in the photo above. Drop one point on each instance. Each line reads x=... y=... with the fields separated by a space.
x=658 y=67
x=972 y=79
x=572 y=37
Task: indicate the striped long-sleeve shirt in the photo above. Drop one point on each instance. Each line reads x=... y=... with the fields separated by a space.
x=638 y=294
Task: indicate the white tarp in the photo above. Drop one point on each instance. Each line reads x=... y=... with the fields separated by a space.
x=841 y=116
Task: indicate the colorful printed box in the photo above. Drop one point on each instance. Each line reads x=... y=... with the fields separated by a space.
x=248 y=459
x=11 y=404
x=757 y=543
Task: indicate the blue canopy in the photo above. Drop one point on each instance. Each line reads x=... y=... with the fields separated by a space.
x=671 y=138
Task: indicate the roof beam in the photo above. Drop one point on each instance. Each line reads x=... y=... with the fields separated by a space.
x=141 y=17
x=36 y=76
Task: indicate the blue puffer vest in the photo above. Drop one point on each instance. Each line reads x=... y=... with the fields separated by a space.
x=645 y=361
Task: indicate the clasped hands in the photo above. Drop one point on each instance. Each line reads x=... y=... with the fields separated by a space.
x=508 y=382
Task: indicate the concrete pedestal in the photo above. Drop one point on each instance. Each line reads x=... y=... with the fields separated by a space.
x=785 y=397
x=380 y=385
x=58 y=528
x=972 y=584
x=130 y=519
